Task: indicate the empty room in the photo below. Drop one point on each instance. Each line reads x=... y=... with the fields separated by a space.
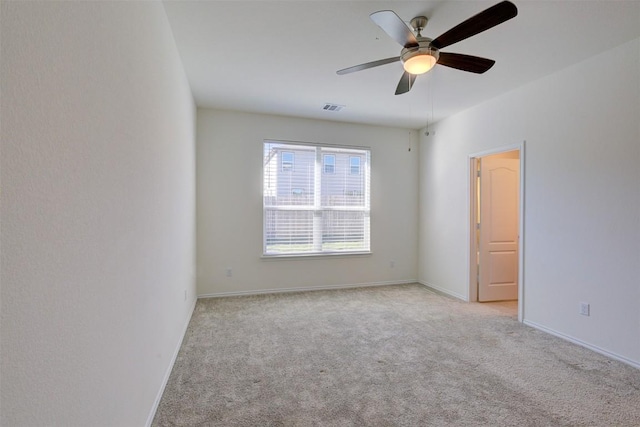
x=320 y=213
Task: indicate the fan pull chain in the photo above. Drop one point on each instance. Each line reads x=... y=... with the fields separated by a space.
x=432 y=96
x=429 y=96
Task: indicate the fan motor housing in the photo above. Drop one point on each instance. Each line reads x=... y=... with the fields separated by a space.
x=424 y=48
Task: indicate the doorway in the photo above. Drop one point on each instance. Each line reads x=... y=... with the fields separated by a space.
x=496 y=184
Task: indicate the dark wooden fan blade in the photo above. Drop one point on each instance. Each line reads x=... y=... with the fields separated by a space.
x=394 y=27
x=368 y=65
x=473 y=64
x=489 y=18
x=405 y=84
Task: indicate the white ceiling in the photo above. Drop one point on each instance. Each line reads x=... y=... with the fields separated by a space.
x=281 y=57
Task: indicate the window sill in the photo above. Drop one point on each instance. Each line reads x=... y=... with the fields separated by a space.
x=316 y=255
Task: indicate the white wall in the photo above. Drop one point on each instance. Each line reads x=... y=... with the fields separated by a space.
x=582 y=197
x=98 y=211
x=229 y=204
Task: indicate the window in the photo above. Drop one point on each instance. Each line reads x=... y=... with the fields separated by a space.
x=287 y=161
x=329 y=163
x=354 y=165
x=319 y=208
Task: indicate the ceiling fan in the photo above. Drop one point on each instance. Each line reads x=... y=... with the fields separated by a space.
x=420 y=54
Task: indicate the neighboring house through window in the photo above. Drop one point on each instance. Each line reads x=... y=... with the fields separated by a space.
x=287 y=161
x=322 y=206
x=354 y=165
x=329 y=163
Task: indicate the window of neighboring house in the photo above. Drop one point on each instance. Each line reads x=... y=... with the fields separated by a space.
x=287 y=161
x=320 y=207
x=354 y=165
x=329 y=162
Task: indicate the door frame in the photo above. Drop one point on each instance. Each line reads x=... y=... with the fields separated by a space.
x=472 y=295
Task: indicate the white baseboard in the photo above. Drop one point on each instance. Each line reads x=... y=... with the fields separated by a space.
x=592 y=347
x=445 y=291
x=167 y=374
x=304 y=289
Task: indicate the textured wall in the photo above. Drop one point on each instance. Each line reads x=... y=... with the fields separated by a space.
x=229 y=156
x=582 y=203
x=98 y=211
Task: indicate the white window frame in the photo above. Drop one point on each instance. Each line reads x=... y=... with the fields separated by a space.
x=364 y=154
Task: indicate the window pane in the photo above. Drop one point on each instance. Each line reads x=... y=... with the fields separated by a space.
x=342 y=188
x=292 y=186
x=288 y=231
x=344 y=231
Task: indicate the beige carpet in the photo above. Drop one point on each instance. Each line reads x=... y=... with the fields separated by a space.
x=386 y=356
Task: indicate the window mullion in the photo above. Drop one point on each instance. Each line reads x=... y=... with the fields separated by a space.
x=317 y=202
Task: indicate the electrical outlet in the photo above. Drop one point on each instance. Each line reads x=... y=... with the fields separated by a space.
x=392 y=264
x=584 y=308
x=185 y=294
x=229 y=272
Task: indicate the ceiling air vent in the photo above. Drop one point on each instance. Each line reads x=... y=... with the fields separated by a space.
x=332 y=107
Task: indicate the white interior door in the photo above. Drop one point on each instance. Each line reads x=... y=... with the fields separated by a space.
x=498 y=243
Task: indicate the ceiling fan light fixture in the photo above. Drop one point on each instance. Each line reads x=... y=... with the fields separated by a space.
x=419 y=61
x=419 y=64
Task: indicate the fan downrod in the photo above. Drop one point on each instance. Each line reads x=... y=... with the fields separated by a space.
x=418 y=23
